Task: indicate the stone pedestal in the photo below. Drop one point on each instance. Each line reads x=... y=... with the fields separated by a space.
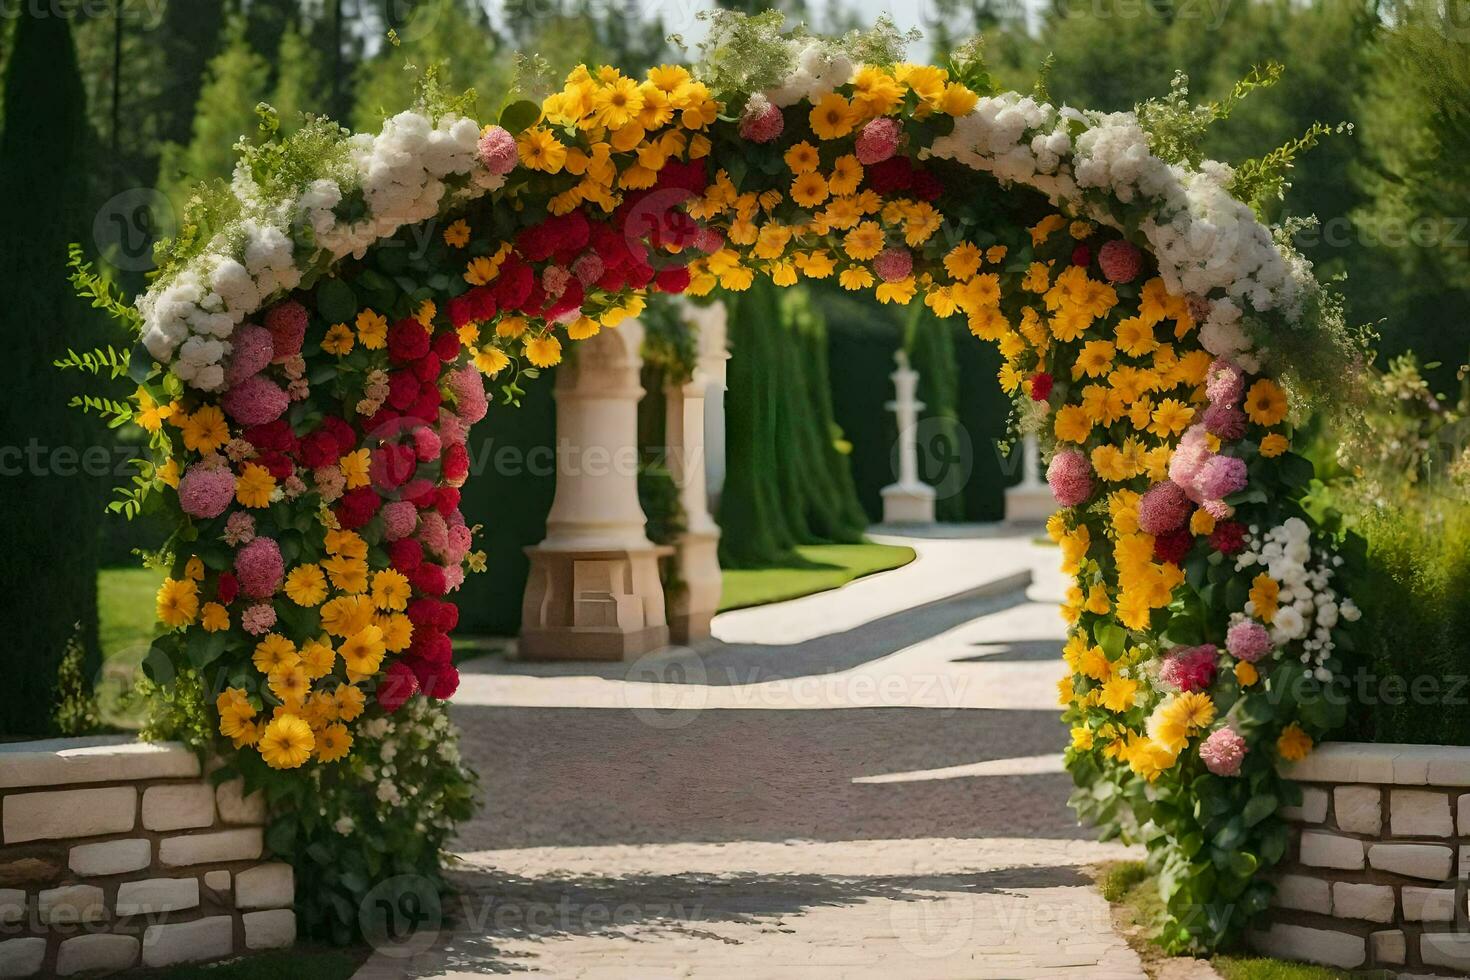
x=594 y=592
x=910 y=500
x=1030 y=501
x=696 y=600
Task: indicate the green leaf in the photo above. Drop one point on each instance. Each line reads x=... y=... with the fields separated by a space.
x=336 y=302
x=520 y=116
x=1259 y=808
x=1111 y=637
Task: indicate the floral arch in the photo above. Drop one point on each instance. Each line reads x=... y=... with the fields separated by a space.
x=314 y=360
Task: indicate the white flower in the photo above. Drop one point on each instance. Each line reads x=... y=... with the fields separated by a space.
x=1287 y=625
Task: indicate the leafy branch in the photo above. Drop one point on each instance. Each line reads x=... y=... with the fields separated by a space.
x=1263 y=179
x=99 y=289
x=99 y=360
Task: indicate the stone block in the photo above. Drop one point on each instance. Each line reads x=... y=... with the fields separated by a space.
x=1323 y=946
x=189 y=942
x=103 y=759
x=179 y=806
x=68 y=813
x=244 y=844
x=1322 y=850
x=1420 y=813
x=12 y=904
x=1451 y=949
x=1302 y=892
x=267 y=886
x=237 y=808
x=1351 y=900
x=96 y=953
x=71 y=904
x=1358 y=809
x=22 y=957
x=1428 y=904
x=112 y=857
x=1431 y=862
x=1388 y=947
x=271 y=929
x=1313 y=808
x=157 y=895
x=217 y=881
x=1465 y=815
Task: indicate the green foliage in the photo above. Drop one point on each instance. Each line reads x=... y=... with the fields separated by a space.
x=76 y=705
x=811 y=568
x=103 y=294
x=1177 y=127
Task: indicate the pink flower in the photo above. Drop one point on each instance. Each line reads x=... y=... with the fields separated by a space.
x=1220 y=477
x=452 y=428
x=893 y=264
x=251 y=352
x=1225 y=421
x=1224 y=383
x=259 y=618
x=329 y=482
x=453 y=577
x=239 y=528
x=1248 y=640
x=398 y=685
x=1070 y=477
x=467 y=386
x=206 y=491
x=260 y=568
x=434 y=533
x=1120 y=261
x=1223 y=751
x=287 y=323
x=1164 y=508
x=255 y=401
x=460 y=540
x=1041 y=383
x=878 y=140
x=554 y=280
x=588 y=268
x=761 y=122
x=1189 y=457
x=399 y=519
x=426 y=444
x=1190 y=668
x=497 y=151
x=709 y=240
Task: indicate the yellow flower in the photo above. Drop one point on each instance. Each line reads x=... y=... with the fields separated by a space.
x=425 y=313
x=1094 y=359
x=333 y=743
x=1246 y=674
x=214 y=617
x=150 y=415
x=540 y=150
x=543 y=351
x=287 y=742
x=390 y=590
x=339 y=340
x=1081 y=738
x=354 y=467
x=1036 y=279
x=235 y=724
x=363 y=651
x=273 y=652
x=962 y=261
x=348 y=574
x=1294 y=744
x=1118 y=693
x=457 y=235
x=205 y=430
x=816 y=264
x=783 y=273
x=178 y=602
x=350 y=701
x=372 y=329
x=254 y=486
x=491 y=360
x=1274 y=445
x=306 y=585
x=1170 y=418
x=832 y=118
x=1194 y=709
x=863 y=242
x=289 y=683
x=875 y=92
x=809 y=189
x=318 y=657
x=1135 y=337
x=900 y=292
x=802 y=158
x=397 y=630
x=511 y=327
x=1042 y=230
x=1072 y=424
x=1201 y=522
x=1264 y=594
x=1265 y=403
x=168 y=474
x=348 y=543
x=957 y=100
x=347 y=615
x=855 y=277
x=1110 y=464
x=847 y=175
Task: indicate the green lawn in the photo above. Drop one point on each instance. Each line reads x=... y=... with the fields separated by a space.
x=125 y=611
x=817 y=568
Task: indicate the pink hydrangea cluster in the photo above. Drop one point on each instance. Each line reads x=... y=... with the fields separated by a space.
x=1224 y=383
x=1070 y=477
x=1248 y=641
x=287 y=323
x=251 y=353
x=260 y=568
x=206 y=491
x=1205 y=477
x=878 y=140
x=894 y=264
x=1162 y=509
x=1225 y=421
x=259 y=618
x=240 y=528
x=433 y=533
x=468 y=387
x=588 y=268
x=426 y=444
x=761 y=122
x=1220 y=476
x=554 y=280
x=1190 y=668
x=1223 y=751
x=255 y=401
x=497 y=150
x=329 y=482
x=400 y=517
x=1120 y=261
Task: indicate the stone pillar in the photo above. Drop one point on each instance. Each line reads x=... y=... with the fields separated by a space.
x=594 y=591
x=909 y=501
x=1029 y=501
x=696 y=554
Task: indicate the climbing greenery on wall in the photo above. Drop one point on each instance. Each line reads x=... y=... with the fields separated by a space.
x=309 y=375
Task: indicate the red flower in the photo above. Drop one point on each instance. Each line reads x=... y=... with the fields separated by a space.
x=397 y=686
x=426 y=407
x=692 y=176
x=456 y=465
x=891 y=176
x=674 y=280
x=446 y=500
x=429 y=579
x=277 y=463
x=476 y=305
x=1041 y=386
x=403 y=388
x=227 y=588
x=513 y=285
x=342 y=432
x=1081 y=255
x=405 y=554
x=436 y=614
x=438 y=681
x=319 y=449
x=1228 y=538
x=275 y=435
x=427 y=368
x=431 y=645
x=420 y=493
x=570 y=299
x=392 y=466
x=357 y=507
x=407 y=341
x=445 y=345
x=927 y=187
x=1173 y=546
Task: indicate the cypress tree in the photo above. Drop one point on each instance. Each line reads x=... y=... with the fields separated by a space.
x=51 y=508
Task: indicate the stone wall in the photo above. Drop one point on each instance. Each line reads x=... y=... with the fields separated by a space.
x=1375 y=874
x=116 y=853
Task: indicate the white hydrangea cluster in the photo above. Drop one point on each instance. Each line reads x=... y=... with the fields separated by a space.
x=406 y=173
x=820 y=68
x=1308 y=607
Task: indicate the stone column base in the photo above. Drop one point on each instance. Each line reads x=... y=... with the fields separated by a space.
x=697 y=560
x=593 y=605
x=1029 y=505
x=908 y=504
